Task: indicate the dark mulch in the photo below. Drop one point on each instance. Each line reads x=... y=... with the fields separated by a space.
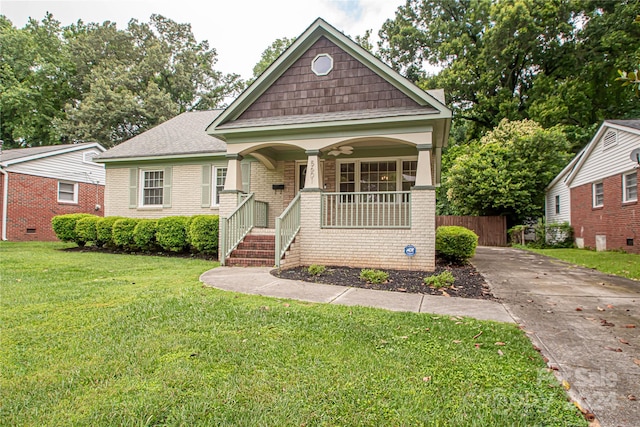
x=469 y=283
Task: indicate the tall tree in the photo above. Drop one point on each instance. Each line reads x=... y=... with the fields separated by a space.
x=554 y=61
x=270 y=54
x=99 y=83
x=35 y=74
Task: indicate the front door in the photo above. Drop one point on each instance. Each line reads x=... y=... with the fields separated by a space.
x=301 y=175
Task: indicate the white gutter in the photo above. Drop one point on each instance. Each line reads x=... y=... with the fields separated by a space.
x=5 y=201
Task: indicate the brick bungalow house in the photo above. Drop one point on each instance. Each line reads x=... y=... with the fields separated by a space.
x=597 y=193
x=39 y=183
x=329 y=157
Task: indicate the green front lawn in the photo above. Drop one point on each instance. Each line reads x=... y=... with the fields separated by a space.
x=618 y=263
x=93 y=339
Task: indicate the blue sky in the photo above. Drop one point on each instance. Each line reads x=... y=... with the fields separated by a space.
x=239 y=30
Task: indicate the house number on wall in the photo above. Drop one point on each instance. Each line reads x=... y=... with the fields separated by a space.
x=312 y=170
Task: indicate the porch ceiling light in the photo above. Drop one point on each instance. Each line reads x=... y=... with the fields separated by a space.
x=345 y=149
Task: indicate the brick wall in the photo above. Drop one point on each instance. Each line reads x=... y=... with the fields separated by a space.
x=616 y=220
x=377 y=248
x=33 y=201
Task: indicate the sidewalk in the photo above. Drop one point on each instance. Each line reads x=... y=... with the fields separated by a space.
x=258 y=281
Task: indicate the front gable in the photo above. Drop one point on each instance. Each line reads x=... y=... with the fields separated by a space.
x=349 y=86
x=360 y=90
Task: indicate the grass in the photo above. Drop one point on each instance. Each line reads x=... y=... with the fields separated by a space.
x=611 y=262
x=93 y=339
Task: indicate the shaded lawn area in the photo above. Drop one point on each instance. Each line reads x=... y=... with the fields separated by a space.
x=105 y=339
x=618 y=263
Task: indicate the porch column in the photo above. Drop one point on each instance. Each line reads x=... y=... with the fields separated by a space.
x=314 y=178
x=233 y=182
x=424 y=177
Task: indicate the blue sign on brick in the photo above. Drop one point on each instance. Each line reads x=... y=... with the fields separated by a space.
x=409 y=250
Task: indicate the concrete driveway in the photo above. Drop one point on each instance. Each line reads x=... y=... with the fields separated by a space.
x=587 y=324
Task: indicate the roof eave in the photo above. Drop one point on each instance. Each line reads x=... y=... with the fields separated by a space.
x=160 y=157
x=54 y=153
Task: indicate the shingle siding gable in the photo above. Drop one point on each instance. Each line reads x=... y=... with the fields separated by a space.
x=350 y=86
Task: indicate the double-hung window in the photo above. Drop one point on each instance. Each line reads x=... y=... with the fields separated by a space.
x=67 y=192
x=630 y=187
x=219 y=176
x=557 y=204
x=598 y=195
x=377 y=176
x=152 y=187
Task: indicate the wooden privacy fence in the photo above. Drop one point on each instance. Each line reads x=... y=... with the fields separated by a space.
x=491 y=230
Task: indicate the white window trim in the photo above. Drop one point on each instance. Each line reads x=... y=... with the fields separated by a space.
x=624 y=187
x=322 y=73
x=141 y=188
x=593 y=194
x=357 y=162
x=75 y=192
x=214 y=184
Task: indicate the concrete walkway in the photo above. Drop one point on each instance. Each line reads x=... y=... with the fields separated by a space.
x=582 y=322
x=258 y=281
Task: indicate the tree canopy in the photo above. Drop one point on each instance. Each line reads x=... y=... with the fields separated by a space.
x=551 y=61
x=95 y=82
x=507 y=170
x=270 y=54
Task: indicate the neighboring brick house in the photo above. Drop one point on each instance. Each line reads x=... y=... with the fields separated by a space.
x=38 y=183
x=329 y=148
x=598 y=191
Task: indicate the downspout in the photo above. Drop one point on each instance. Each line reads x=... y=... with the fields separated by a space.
x=5 y=201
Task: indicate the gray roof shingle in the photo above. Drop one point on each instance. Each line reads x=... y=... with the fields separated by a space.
x=18 y=153
x=183 y=134
x=634 y=123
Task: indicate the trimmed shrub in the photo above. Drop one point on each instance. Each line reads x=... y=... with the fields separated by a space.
x=442 y=280
x=316 y=269
x=65 y=227
x=203 y=233
x=144 y=234
x=123 y=233
x=373 y=276
x=86 y=228
x=456 y=244
x=172 y=233
x=104 y=230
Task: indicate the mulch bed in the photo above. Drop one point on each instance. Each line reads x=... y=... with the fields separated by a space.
x=468 y=284
x=90 y=248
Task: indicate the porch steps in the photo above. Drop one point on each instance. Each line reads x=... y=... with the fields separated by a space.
x=258 y=249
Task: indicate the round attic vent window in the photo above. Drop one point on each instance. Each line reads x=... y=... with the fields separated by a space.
x=322 y=64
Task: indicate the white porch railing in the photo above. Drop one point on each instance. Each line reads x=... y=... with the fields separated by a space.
x=234 y=228
x=287 y=226
x=366 y=210
x=261 y=210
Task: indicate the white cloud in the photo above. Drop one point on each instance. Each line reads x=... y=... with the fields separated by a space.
x=238 y=30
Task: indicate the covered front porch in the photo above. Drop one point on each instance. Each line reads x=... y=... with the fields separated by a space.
x=357 y=201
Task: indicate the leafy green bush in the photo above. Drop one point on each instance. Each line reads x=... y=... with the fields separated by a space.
x=65 y=227
x=554 y=235
x=172 y=233
x=123 y=233
x=373 y=276
x=144 y=234
x=456 y=244
x=203 y=233
x=86 y=228
x=316 y=270
x=104 y=230
x=442 y=280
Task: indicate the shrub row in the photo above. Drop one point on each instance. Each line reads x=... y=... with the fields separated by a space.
x=198 y=234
